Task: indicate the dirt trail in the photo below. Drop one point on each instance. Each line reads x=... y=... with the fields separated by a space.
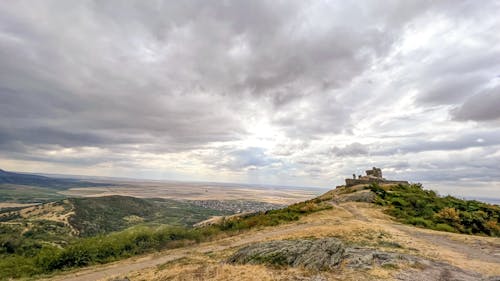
x=484 y=252
x=481 y=254
x=354 y=212
x=134 y=264
x=475 y=248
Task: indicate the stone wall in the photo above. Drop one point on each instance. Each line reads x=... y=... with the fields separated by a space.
x=375 y=172
x=351 y=182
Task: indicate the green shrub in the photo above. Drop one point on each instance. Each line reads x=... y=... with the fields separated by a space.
x=274 y=217
x=444 y=227
x=414 y=205
x=419 y=221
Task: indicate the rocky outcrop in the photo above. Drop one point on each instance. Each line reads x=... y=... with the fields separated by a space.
x=366 y=258
x=329 y=253
x=358 y=196
x=320 y=254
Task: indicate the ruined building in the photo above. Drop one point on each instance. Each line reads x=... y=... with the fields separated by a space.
x=372 y=176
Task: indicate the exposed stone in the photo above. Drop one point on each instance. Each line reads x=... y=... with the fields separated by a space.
x=358 y=196
x=438 y=271
x=420 y=269
x=366 y=258
x=320 y=254
x=329 y=253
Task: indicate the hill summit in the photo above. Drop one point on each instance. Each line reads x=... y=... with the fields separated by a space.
x=372 y=176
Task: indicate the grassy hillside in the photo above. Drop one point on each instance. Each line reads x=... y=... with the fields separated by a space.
x=414 y=205
x=31 y=259
x=25 y=231
x=99 y=215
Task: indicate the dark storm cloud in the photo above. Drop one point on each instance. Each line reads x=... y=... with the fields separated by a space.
x=484 y=106
x=166 y=69
x=465 y=62
x=353 y=149
x=452 y=89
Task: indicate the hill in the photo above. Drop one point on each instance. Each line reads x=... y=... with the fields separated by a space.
x=28 y=229
x=369 y=240
x=99 y=215
x=42 y=181
x=29 y=188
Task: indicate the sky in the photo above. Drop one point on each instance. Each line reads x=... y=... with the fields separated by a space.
x=301 y=93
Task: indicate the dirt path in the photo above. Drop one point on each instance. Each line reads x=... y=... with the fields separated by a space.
x=125 y=266
x=481 y=254
x=354 y=212
x=477 y=251
x=474 y=249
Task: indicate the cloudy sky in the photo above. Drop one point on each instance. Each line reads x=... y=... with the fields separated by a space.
x=281 y=92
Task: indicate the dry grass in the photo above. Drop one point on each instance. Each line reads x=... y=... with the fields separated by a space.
x=200 y=268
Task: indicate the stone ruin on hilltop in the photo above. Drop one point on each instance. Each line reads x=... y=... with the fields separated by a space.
x=372 y=176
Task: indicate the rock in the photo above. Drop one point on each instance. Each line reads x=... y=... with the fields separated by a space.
x=328 y=253
x=366 y=258
x=319 y=254
x=429 y=270
x=359 y=196
x=492 y=278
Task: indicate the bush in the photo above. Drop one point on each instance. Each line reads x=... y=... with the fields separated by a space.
x=448 y=215
x=413 y=205
x=273 y=217
x=420 y=222
x=444 y=227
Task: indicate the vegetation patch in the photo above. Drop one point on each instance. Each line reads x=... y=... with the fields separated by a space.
x=274 y=217
x=414 y=205
x=100 y=215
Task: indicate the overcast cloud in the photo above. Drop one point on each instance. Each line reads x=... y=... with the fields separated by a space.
x=279 y=92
